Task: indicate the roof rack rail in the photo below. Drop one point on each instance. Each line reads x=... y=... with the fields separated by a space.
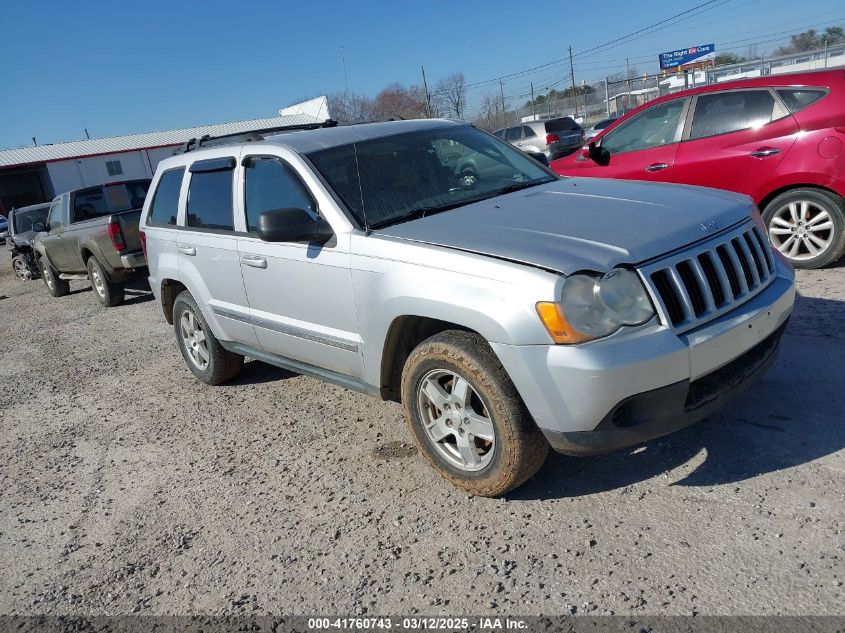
x=385 y=119
x=248 y=137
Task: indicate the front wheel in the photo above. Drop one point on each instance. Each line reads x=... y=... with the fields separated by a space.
x=467 y=417
x=55 y=286
x=807 y=226
x=108 y=293
x=21 y=268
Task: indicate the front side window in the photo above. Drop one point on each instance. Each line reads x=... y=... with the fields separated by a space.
x=210 y=200
x=165 y=206
x=393 y=179
x=650 y=128
x=799 y=98
x=272 y=185
x=725 y=112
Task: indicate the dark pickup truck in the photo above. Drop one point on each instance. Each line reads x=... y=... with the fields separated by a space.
x=93 y=233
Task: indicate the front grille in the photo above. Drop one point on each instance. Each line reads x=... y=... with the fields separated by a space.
x=711 y=279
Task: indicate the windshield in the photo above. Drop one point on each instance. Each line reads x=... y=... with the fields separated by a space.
x=23 y=220
x=420 y=173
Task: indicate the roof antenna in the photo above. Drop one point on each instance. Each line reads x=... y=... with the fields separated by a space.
x=355 y=146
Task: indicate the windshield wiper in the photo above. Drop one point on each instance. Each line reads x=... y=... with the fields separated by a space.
x=421 y=212
x=516 y=186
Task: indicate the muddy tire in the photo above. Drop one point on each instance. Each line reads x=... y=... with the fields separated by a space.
x=108 y=293
x=209 y=361
x=55 y=286
x=467 y=417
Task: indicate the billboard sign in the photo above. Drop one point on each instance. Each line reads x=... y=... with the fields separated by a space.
x=674 y=59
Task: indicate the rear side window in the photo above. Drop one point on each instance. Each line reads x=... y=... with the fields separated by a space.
x=165 y=206
x=565 y=124
x=513 y=133
x=725 y=112
x=527 y=132
x=96 y=202
x=210 y=200
x=799 y=98
x=272 y=185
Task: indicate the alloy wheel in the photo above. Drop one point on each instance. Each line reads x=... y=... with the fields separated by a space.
x=801 y=230
x=456 y=420
x=21 y=270
x=193 y=337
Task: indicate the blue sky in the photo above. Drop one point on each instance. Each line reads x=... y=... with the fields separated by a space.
x=123 y=67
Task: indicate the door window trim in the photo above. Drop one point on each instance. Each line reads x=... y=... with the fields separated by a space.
x=221 y=163
x=778 y=108
x=286 y=164
x=156 y=225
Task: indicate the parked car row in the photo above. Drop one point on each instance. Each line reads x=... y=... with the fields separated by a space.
x=778 y=139
x=508 y=310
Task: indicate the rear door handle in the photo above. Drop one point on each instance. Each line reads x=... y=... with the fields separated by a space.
x=764 y=151
x=254 y=260
x=187 y=249
x=657 y=167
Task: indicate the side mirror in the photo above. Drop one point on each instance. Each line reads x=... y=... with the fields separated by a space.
x=292 y=225
x=599 y=154
x=39 y=227
x=540 y=157
x=4 y=235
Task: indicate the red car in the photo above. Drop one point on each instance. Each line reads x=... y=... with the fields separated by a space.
x=779 y=139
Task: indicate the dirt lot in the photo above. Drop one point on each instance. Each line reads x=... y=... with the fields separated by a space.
x=127 y=486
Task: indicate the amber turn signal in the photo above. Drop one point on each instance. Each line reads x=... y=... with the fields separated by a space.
x=557 y=325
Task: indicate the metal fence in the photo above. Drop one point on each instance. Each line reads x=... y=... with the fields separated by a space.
x=612 y=97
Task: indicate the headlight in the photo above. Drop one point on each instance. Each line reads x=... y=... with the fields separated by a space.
x=591 y=307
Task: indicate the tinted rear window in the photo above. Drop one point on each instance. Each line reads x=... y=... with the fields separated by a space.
x=96 y=202
x=562 y=125
x=799 y=98
x=165 y=206
x=210 y=200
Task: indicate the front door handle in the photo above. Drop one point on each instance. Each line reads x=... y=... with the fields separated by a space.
x=254 y=260
x=657 y=167
x=764 y=151
x=187 y=249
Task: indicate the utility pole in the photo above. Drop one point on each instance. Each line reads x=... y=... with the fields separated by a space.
x=572 y=77
x=502 y=93
x=534 y=109
x=427 y=96
x=825 y=53
x=628 y=83
x=606 y=97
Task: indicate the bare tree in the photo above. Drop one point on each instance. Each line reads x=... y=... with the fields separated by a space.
x=490 y=116
x=347 y=107
x=451 y=93
x=397 y=100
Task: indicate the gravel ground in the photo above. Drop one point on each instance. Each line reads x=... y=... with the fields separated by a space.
x=127 y=486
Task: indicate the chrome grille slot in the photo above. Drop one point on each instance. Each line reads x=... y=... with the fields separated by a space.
x=710 y=279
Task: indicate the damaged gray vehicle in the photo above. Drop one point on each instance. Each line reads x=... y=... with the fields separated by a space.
x=20 y=238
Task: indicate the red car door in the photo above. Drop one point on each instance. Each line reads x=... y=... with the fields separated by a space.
x=642 y=148
x=735 y=141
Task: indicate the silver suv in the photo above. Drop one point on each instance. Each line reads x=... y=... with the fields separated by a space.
x=507 y=313
x=554 y=138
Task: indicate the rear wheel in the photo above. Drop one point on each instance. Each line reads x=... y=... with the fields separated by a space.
x=108 y=293
x=807 y=226
x=467 y=417
x=209 y=361
x=55 y=286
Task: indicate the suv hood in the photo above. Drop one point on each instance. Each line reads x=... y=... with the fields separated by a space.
x=577 y=224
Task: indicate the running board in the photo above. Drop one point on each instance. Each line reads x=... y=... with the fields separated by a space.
x=73 y=277
x=298 y=367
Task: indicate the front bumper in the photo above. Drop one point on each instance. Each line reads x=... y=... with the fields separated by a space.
x=635 y=386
